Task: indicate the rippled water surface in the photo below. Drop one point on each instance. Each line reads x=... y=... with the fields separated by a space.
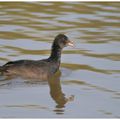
x=88 y=83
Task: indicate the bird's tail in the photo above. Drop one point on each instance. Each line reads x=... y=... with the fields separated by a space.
x=1 y=69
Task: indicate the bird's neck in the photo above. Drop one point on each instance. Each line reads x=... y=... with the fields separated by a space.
x=55 y=53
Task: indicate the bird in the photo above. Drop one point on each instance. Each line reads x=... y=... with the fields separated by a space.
x=38 y=69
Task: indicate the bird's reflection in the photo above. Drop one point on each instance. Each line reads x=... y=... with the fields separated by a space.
x=57 y=94
x=55 y=89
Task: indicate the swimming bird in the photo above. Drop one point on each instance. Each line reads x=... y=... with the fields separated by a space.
x=38 y=69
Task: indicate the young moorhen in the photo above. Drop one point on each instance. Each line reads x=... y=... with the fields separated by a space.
x=38 y=69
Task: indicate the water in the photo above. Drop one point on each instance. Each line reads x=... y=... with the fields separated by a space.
x=88 y=83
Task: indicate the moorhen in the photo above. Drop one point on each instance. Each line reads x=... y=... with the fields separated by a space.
x=38 y=69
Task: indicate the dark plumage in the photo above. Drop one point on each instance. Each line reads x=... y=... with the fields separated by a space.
x=39 y=69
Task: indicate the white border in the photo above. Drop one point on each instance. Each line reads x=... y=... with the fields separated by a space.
x=60 y=119
x=60 y=0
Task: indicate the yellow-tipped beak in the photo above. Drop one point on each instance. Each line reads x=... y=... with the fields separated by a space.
x=70 y=43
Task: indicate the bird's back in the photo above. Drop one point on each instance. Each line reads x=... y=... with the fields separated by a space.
x=41 y=69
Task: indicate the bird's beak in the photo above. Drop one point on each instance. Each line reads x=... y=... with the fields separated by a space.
x=70 y=43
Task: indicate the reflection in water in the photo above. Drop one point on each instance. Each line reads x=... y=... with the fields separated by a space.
x=57 y=94
x=55 y=90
